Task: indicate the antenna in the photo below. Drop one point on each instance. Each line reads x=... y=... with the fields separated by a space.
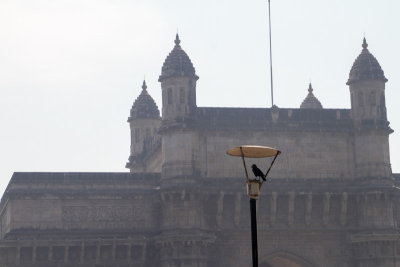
x=270 y=52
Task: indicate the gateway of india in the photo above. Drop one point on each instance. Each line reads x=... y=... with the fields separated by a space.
x=332 y=200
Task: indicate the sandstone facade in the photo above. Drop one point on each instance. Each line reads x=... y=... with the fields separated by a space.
x=332 y=199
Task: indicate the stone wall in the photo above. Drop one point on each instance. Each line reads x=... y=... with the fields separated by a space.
x=80 y=202
x=303 y=222
x=305 y=154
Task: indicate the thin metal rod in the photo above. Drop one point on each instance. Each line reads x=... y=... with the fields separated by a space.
x=272 y=163
x=254 y=245
x=244 y=164
x=270 y=52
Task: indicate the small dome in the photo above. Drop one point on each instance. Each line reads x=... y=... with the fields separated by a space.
x=366 y=67
x=144 y=106
x=311 y=102
x=177 y=63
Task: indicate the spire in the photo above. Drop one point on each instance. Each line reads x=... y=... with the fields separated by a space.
x=310 y=89
x=364 y=44
x=177 y=41
x=144 y=86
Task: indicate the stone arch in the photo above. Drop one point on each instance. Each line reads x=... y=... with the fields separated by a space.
x=284 y=259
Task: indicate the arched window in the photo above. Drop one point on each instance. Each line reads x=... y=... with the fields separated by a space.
x=169 y=95
x=137 y=135
x=372 y=98
x=360 y=99
x=182 y=95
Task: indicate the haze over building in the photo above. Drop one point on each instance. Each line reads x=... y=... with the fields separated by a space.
x=333 y=199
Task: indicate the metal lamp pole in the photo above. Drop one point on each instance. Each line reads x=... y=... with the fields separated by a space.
x=253 y=190
x=254 y=244
x=253 y=186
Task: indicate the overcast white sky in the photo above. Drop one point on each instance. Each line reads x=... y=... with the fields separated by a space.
x=70 y=70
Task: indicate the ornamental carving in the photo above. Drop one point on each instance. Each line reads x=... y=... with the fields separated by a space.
x=100 y=216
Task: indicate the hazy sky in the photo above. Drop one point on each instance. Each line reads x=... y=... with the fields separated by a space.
x=70 y=70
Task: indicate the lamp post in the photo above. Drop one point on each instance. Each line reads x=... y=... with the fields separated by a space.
x=254 y=185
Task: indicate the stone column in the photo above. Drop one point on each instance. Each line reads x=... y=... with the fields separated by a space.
x=34 y=252
x=274 y=197
x=238 y=203
x=308 y=209
x=375 y=241
x=18 y=254
x=343 y=210
x=66 y=253
x=50 y=256
x=291 y=201
x=113 y=252
x=129 y=256
x=220 y=208
x=327 y=204
x=82 y=258
x=98 y=251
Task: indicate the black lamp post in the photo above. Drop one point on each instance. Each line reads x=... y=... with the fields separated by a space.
x=254 y=185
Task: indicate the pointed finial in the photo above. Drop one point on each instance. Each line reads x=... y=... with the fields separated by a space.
x=177 y=41
x=364 y=45
x=144 y=86
x=310 y=89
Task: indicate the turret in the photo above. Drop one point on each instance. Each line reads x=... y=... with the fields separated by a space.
x=368 y=109
x=375 y=208
x=180 y=167
x=179 y=141
x=367 y=89
x=311 y=102
x=178 y=83
x=144 y=121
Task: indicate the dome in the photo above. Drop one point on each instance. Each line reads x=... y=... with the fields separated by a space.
x=177 y=63
x=144 y=106
x=311 y=102
x=366 y=67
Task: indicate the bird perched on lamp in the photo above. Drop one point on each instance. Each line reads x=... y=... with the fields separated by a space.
x=257 y=172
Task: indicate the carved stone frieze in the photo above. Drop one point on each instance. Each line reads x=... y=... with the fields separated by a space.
x=102 y=216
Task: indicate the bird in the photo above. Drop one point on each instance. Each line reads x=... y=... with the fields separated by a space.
x=257 y=172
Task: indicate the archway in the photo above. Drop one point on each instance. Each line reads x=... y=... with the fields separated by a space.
x=280 y=262
x=284 y=259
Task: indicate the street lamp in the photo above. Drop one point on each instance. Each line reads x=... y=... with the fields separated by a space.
x=254 y=185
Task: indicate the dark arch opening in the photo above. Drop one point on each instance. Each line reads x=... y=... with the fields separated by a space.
x=265 y=264
x=284 y=259
x=280 y=262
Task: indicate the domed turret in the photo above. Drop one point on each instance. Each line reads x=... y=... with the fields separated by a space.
x=311 y=102
x=366 y=67
x=144 y=121
x=177 y=63
x=367 y=88
x=178 y=83
x=368 y=110
x=144 y=106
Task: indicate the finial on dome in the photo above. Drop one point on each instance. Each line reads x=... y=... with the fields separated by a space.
x=177 y=41
x=310 y=89
x=311 y=102
x=364 y=45
x=144 y=86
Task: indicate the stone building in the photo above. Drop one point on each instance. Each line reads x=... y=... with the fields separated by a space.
x=332 y=199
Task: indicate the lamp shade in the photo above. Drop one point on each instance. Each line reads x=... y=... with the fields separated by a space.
x=250 y=151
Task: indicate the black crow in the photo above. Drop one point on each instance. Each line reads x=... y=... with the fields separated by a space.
x=257 y=172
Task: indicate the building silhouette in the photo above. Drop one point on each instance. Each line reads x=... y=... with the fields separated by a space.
x=332 y=199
